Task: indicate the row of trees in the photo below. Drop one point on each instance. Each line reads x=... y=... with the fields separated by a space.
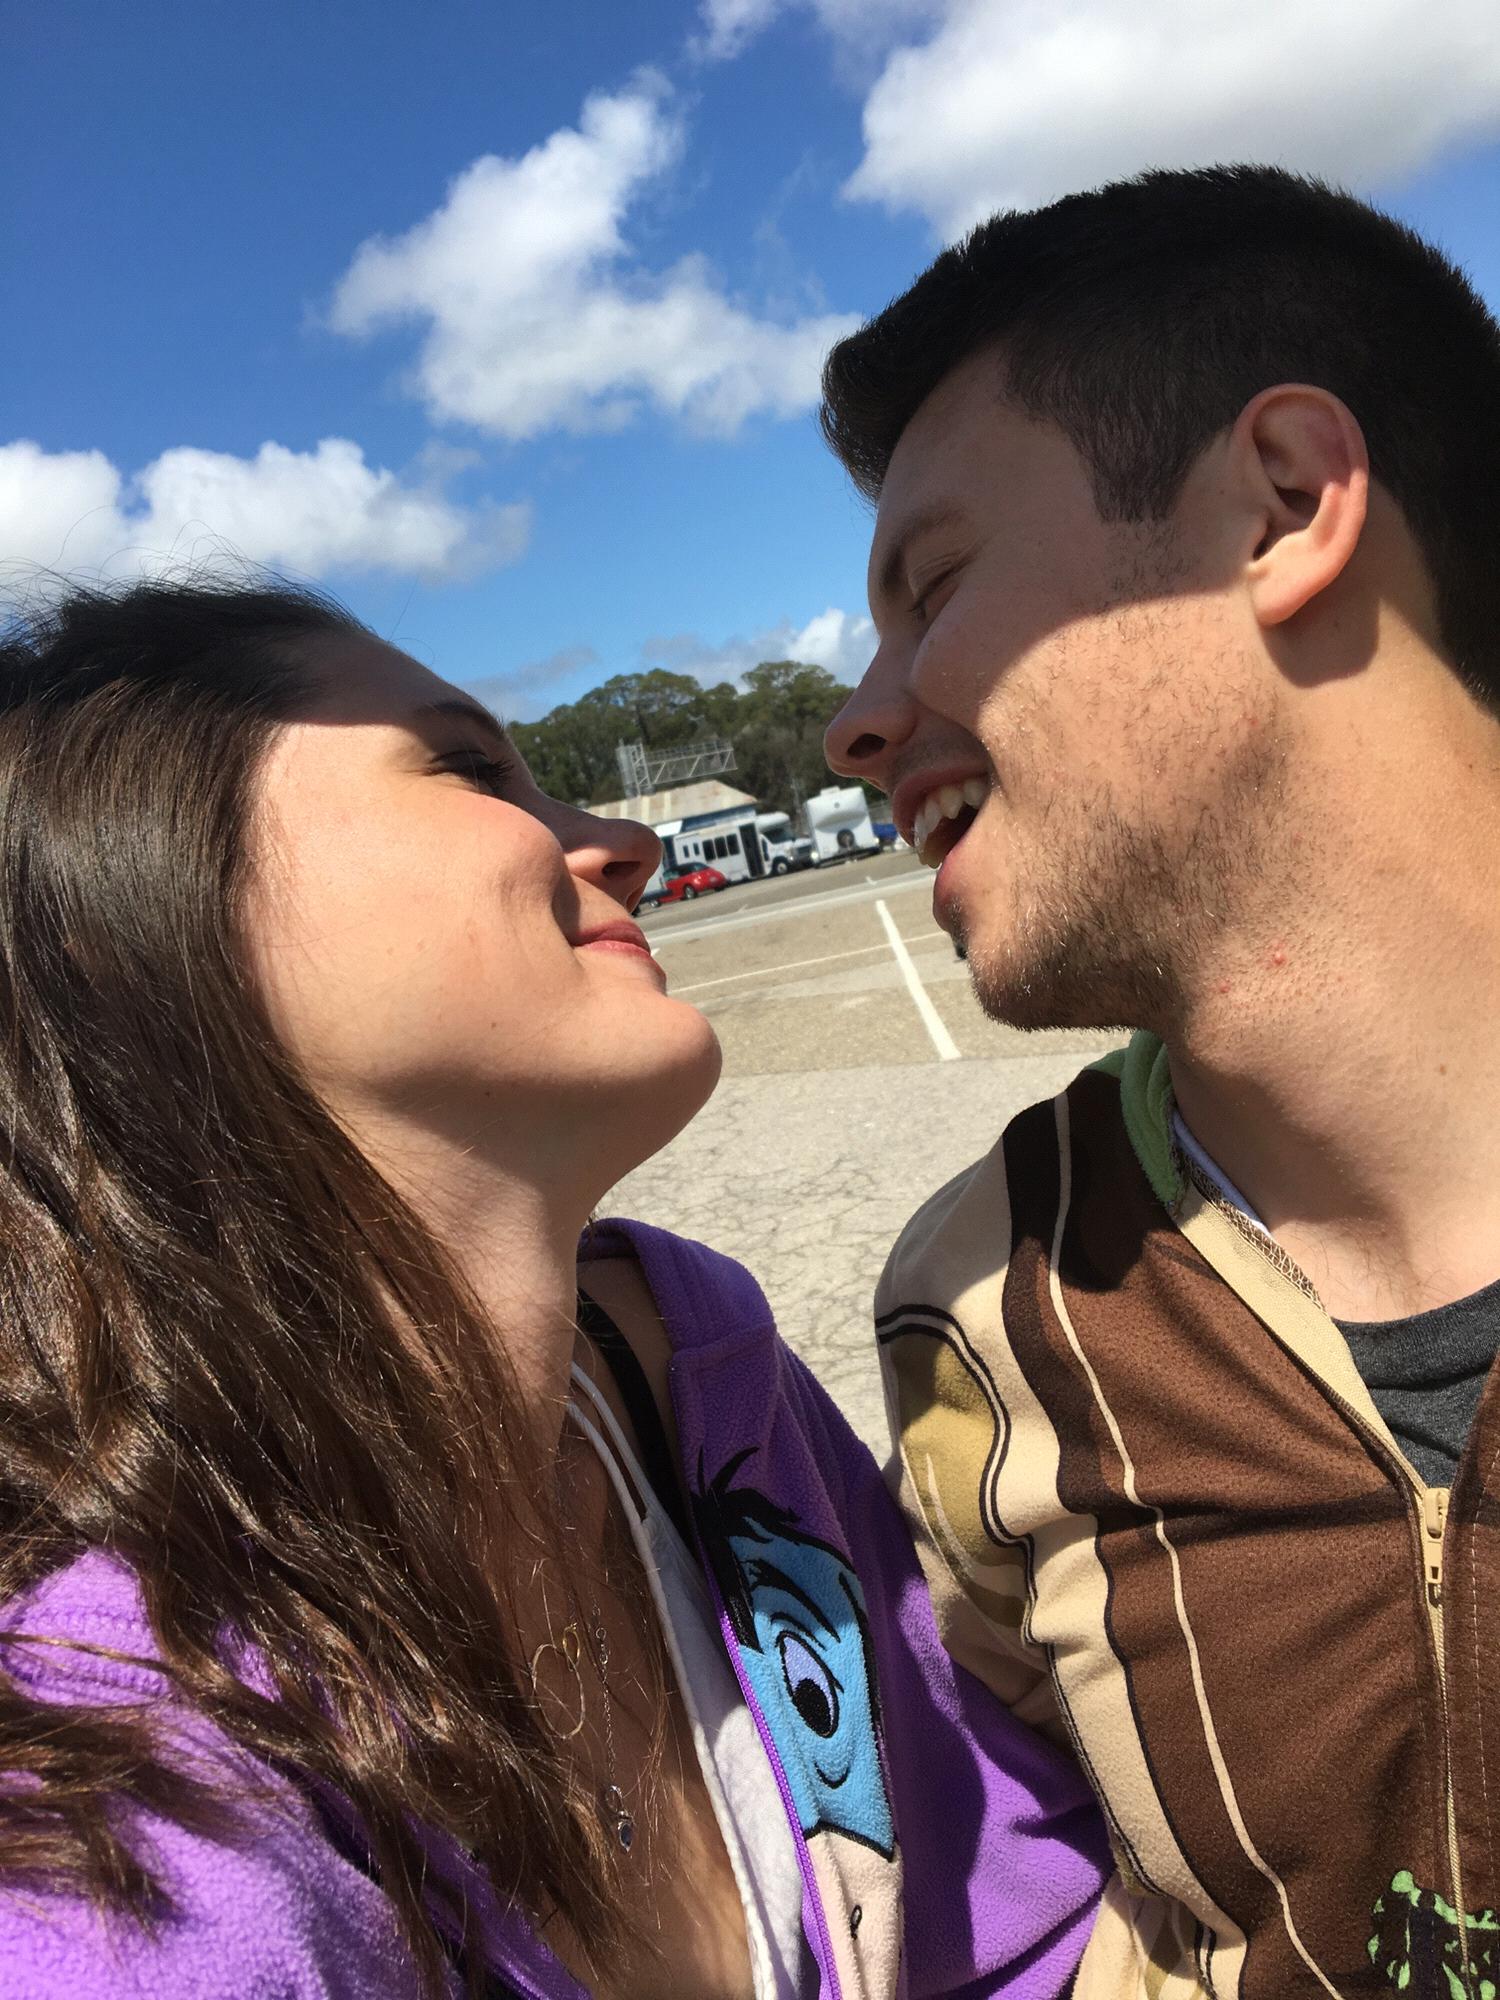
x=776 y=723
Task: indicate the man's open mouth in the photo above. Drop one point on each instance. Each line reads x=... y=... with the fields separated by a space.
x=944 y=817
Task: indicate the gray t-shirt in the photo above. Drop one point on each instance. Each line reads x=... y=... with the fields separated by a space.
x=1426 y=1374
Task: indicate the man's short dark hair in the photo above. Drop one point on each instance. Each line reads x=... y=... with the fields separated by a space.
x=1142 y=317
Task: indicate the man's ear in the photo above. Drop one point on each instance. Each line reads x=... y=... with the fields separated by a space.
x=1304 y=458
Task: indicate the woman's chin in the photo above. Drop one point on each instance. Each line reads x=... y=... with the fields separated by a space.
x=691 y=1077
x=673 y=1085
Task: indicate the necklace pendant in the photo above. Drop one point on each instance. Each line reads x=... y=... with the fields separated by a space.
x=619 y=1817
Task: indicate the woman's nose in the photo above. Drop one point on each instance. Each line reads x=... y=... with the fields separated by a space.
x=618 y=855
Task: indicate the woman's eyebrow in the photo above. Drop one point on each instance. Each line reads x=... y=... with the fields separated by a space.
x=456 y=707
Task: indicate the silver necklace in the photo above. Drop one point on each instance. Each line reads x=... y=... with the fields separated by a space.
x=568 y=1646
x=617 y=1815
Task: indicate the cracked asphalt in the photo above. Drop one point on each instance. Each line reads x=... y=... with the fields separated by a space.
x=836 y=1115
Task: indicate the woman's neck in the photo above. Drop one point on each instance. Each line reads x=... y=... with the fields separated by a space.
x=515 y=1242
x=521 y=1261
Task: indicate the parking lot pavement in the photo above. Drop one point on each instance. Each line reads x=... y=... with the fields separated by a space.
x=845 y=1100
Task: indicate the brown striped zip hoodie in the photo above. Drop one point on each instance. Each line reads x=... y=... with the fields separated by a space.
x=1163 y=1520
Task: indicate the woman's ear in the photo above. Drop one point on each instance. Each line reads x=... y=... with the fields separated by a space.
x=1305 y=459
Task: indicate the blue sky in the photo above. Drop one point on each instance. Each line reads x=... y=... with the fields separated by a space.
x=555 y=279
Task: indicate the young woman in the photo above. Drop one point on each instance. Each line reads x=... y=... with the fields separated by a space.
x=394 y=1601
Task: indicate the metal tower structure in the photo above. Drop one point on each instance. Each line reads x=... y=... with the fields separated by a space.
x=643 y=770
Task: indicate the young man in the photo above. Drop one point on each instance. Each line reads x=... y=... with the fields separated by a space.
x=1185 y=570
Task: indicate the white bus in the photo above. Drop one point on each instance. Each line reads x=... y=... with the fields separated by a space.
x=725 y=847
x=780 y=849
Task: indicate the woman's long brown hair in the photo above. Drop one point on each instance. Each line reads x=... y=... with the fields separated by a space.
x=230 y=1355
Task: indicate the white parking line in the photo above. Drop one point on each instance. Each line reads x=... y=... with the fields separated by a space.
x=662 y=935
x=942 y=1041
x=770 y=971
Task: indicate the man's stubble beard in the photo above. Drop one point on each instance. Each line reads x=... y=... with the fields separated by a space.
x=1114 y=928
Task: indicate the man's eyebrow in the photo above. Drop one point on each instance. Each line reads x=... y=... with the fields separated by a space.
x=892 y=574
x=459 y=708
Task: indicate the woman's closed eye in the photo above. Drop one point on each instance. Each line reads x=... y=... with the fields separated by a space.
x=490 y=772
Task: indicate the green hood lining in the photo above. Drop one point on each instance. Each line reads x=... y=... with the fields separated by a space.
x=1145 y=1081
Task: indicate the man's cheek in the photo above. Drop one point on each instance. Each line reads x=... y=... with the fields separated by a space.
x=955 y=668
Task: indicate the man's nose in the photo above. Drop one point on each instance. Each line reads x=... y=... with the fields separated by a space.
x=863 y=738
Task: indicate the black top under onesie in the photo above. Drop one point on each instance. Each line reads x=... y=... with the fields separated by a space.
x=1426 y=1374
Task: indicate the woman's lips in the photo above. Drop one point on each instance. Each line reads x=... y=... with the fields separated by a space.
x=620 y=945
x=619 y=930
x=626 y=945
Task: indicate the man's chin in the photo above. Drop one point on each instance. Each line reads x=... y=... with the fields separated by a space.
x=1041 y=993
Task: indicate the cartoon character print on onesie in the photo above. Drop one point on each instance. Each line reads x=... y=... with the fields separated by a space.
x=797 y=1612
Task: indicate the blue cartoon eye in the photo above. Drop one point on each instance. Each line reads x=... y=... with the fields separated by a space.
x=814 y=1691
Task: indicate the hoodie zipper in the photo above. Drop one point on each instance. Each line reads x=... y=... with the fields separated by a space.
x=1431 y=1509
x=1434 y=1504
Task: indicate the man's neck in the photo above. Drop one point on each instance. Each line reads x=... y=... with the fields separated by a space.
x=1343 y=1070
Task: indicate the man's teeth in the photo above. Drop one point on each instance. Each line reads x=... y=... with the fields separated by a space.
x=947 y=802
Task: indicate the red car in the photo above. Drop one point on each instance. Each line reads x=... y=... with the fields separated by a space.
x=684 y=883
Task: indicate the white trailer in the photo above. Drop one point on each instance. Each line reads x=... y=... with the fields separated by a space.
x=838 y=820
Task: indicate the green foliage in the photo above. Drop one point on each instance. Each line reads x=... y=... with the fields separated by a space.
x=572 y=751
x=776 y=724
x=1422 y=1949
x=778 y=736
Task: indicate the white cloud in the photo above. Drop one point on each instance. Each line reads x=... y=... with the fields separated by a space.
x=841 y=641
x=1011 y=105
x=525 y=692
x=857 y=26
x=539 y=315
x=315 y=512
x=728 y=25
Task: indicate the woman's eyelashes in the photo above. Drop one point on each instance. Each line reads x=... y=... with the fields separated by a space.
x=489 y=771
